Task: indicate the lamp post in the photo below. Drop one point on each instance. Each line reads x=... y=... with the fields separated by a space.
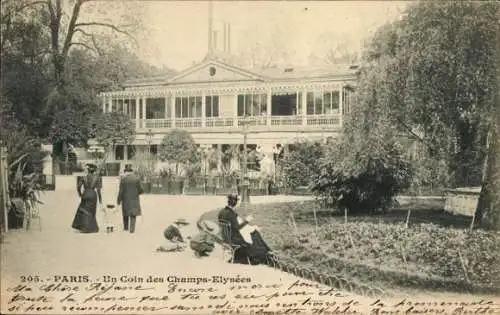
x=245 y=192
x=149 y=139
x=204 y=155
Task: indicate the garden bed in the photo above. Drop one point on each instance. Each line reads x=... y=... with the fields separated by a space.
x=436 y=251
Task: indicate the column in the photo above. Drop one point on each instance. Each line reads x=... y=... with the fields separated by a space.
x=166 y=108
x=203 y=110
x=172 y=107
x=341 y=104
x=144 y=108
x=235 y=110
x=110 y=104
x=219 y=157
x=269 y=106
x=304 y=107
x=124 y=110
x=138 y=122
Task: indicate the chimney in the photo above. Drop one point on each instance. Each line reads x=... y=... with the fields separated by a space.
x=228 y=37
x=214 y=43
x=210 y=28
x=224 y=48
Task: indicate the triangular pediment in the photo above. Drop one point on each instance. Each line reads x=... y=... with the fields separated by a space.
x=220 y=72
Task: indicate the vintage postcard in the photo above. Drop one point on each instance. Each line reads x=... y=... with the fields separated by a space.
x=250 y=157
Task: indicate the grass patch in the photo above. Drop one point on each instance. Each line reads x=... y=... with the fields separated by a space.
x=435 y=252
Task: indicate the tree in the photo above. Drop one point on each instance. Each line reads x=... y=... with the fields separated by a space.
x=365 y=169
x=110 y=129
x=332 y=48
x=179 y=148
x=258 y=52
x=24 y=62
x=442 y=84
x=76 y=31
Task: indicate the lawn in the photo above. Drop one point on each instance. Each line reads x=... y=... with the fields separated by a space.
x=435 y=252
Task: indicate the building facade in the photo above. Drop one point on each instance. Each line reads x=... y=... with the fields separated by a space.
x=218 y=102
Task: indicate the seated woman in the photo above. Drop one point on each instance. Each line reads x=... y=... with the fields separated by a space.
x=253 y=249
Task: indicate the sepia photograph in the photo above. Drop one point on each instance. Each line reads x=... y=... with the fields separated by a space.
x=249 y=157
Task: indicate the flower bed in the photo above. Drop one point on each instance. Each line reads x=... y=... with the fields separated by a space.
x=379 y=249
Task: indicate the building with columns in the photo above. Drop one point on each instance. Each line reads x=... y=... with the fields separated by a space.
x=214 y=99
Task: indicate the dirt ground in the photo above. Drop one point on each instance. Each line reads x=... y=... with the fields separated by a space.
x=51 y=248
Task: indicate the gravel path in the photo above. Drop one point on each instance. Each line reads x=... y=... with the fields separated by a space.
x=56 y=250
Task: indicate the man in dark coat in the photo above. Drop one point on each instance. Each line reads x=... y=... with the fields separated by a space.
x=128 y=196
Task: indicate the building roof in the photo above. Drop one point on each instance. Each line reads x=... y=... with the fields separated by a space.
x=230 y=71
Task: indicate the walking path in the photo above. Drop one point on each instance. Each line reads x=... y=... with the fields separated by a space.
x=56 y=252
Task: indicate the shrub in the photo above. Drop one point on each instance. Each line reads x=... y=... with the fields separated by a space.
x=301 y=164
x=179 y=148
x=362 y=180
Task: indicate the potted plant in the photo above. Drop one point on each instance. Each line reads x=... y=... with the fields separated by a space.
x=24 y=191
x=145 y=163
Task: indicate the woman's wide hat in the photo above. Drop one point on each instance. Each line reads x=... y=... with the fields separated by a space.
x=210 y=226
x=91 y=165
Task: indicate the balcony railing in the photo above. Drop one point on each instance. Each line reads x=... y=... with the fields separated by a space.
x=266 y=122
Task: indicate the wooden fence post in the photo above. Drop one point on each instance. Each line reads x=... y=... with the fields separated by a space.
x=4 y=188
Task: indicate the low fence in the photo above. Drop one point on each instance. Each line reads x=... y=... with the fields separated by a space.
x=218 y=185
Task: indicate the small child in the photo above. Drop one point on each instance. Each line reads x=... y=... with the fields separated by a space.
x=203 y=243
x=108 y=222
x=174 y=240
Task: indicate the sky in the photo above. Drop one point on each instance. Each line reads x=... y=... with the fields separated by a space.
x=177 y=31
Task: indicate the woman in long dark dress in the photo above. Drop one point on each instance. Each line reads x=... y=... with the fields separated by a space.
x=85 y=217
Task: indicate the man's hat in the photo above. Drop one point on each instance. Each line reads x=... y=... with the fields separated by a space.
x=91 y=165
x=232 y=198
x=210 y=226
x=181 y=222
x=128 y=168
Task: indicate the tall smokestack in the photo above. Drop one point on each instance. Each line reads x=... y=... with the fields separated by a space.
x=210 y=27
x=228 y=37
x=224 y=48
x=214 y=47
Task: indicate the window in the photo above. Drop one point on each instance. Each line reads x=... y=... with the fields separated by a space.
x=119 y=153
x=188 y=107
x=299 y=103
x=347 y=99
x=212 y=106
x=130 y=107
x=155 y=108
x=252 y=104
x=321 y=103
x=141 y=104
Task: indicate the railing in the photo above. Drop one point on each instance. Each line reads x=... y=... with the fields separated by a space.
x=155 y=123
x=321 y=120
x=286 y=120
x=252 y=121
x=188 y=122
x=217 y=122
x=312 y=121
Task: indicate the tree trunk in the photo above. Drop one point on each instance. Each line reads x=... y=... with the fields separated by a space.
x=488 y=206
